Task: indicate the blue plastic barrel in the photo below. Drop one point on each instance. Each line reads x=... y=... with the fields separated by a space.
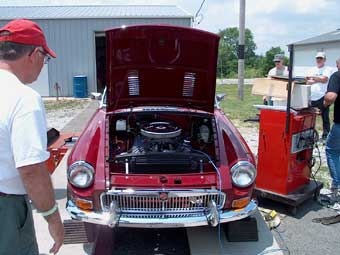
x=80 y=86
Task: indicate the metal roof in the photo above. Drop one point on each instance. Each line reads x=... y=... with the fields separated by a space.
x=92 y=12
x=327 y=37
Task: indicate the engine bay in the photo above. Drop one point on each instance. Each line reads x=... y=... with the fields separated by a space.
x=164 y=143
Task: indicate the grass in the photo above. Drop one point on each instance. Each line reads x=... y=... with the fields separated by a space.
x=236 y=109
x=64 y=104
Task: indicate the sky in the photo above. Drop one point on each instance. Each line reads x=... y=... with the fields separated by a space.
x=273 y=22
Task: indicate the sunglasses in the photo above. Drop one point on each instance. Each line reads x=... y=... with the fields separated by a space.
x=319 y=58
x=47 y=58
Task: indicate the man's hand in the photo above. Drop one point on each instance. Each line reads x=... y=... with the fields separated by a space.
x=38 y=184
x=56 y=229
x=310 y=81
x=314 y=79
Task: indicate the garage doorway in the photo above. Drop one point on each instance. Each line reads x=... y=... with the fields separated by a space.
x=101 y=61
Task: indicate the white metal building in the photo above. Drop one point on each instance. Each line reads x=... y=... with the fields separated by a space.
x=76 y=34
x=305 y=51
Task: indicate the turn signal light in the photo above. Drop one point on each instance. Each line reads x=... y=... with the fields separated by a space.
x=84 y=204
x=241 y=203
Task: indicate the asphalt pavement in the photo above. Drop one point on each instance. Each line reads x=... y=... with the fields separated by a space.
x=301 y=235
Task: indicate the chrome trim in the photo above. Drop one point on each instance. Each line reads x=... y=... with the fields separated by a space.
x=160 y=135
x=149 y=202
x=133 y=82
x=105 y=218
x=213 y=216
x=240 y=164
x=218 y=99
x=89 y=169
x=155 y=135
x=189 y=84
x=102 y=103
x=114 y=216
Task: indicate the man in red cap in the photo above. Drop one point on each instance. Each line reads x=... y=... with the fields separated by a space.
x=23 y=149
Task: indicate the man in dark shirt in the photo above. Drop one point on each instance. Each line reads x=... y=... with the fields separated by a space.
x=333 y=139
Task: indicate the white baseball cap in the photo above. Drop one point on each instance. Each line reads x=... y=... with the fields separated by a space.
x=320 y=54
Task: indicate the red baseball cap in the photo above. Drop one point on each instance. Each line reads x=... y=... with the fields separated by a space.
x=25 y=32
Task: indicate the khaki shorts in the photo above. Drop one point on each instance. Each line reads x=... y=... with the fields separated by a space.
x=17 y=234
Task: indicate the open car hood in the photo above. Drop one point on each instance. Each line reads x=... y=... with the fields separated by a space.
x=161 y=65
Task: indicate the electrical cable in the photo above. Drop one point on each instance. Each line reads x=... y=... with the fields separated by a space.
x=220 y=192
x=316 y=146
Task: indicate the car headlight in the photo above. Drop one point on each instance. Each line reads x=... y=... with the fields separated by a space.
x=243 y=174
x=80 y=174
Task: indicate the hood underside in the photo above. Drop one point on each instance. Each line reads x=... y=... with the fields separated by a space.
x=161 y=65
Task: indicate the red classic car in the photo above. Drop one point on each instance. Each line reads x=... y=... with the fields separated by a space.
x=159 y=152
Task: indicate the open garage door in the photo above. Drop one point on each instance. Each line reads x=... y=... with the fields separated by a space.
x=101 y=61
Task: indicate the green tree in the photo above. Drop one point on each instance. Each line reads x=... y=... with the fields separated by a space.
x=227 y=56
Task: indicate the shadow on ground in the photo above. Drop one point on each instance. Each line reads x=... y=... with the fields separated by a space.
x=60 y=194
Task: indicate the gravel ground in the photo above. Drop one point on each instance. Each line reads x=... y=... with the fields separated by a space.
x=59 y=113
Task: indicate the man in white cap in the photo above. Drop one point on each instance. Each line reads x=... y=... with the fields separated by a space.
x=318 y=77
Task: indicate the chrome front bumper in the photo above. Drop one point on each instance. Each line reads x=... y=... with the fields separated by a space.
x=111 y=219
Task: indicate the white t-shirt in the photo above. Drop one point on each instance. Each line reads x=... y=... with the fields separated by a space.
x=23 y=139
x=318 y=90
x=278 y=72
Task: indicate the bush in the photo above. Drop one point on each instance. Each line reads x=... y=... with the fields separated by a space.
x=253 y=73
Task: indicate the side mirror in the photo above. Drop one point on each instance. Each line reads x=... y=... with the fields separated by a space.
x=218 y=99
x=95 y=95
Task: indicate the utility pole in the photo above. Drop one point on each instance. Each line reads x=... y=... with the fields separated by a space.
x=241 y=48
x=221 y=74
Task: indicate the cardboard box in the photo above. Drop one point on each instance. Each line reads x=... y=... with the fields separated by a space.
x=270 y=87
x=277 y=89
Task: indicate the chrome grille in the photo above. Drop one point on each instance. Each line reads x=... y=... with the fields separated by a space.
x=159 y=215
x=189 y=84
x=172 y=203
x=133 y=81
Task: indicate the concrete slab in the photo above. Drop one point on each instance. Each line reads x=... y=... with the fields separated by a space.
x=45 y=242
x=205 y=240
x=78 y=123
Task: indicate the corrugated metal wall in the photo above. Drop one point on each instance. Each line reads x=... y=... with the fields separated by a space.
x=304 y=56
x=74 y=42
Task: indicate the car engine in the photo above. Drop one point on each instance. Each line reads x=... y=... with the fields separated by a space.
x=160 y=137
x=150 y=145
